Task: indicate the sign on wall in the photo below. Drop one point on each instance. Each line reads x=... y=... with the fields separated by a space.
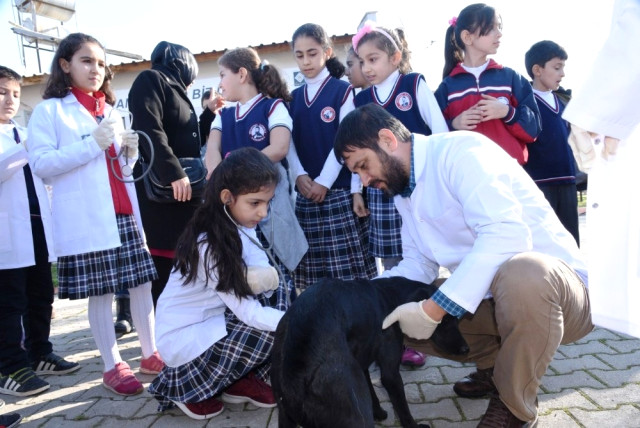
x=194 y=92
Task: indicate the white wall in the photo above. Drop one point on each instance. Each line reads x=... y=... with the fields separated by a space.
x=208 y=77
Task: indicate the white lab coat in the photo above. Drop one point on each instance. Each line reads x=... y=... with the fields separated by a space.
x=16 y=243
x=607 y=104
x=190 y=318
x=65 y=155
x=472 y=209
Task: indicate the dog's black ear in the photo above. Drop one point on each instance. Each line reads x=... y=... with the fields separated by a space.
x=424 y=291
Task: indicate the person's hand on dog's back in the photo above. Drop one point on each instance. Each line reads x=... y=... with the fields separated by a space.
x=414 y=321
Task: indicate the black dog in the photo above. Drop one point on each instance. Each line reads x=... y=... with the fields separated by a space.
x=326 y=342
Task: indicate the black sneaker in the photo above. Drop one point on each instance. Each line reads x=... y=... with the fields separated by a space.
x=123 y=327
x=54 y=364
x=9 y=421
x=22 y=383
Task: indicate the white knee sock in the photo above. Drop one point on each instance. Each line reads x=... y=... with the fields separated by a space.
x=101 y=323
x=143 y=317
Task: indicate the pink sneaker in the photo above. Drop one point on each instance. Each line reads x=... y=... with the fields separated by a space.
x=203 y=410
x=413 y=358
x=252 y=390
x=152 y=365
x=121 y=380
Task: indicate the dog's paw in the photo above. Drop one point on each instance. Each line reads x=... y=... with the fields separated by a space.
x=379 y=415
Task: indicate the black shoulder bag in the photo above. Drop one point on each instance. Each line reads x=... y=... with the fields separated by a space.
x=194 y=169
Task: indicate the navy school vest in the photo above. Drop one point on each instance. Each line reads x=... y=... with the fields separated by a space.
x=401 y=103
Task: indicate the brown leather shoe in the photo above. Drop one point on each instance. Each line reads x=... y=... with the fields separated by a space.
x=499 y=416
x=477 y=385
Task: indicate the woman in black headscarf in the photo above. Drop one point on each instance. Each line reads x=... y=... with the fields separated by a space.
x=160 y=107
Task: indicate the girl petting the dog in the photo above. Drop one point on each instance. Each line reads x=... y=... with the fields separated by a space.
x=217 y=314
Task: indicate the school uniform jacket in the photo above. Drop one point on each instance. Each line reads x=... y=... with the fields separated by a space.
x=550 y=158
x=16 y=243
x=65 y=155
x=190 y=317
x=460 y=91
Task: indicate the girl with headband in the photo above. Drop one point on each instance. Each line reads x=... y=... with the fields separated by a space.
x=385 y=56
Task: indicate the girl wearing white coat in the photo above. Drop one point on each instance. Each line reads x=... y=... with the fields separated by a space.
x=607 y=106
x=96 y=221
x=223 y=301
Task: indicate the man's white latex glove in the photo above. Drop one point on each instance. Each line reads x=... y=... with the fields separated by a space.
x=262 y=278
x=414 y=321
x=130 y=141
x=105 y=133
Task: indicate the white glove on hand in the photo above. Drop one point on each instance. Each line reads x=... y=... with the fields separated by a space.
x=262 y=278
x=414 y=321
x=130 y=141
x=104 y=133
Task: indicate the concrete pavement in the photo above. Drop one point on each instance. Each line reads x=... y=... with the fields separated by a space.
x=594 y=382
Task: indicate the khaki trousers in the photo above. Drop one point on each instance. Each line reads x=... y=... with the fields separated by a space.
x=538 y=303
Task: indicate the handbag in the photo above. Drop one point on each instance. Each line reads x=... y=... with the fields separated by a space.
x=157 y=192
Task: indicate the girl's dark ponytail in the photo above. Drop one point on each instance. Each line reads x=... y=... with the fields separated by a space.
x=265 y=76
x=453 y=54
x=475 y=18
x=269 y=82
x=335 y=67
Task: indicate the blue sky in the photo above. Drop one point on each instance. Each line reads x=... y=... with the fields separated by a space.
x=138 y=25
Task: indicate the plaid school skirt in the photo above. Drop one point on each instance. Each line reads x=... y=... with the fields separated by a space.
x=102 y=272
x=244 y=349
x=385 y=225
x=338 y=246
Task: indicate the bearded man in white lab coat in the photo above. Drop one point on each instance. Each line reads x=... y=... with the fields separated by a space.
x=518 y=280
